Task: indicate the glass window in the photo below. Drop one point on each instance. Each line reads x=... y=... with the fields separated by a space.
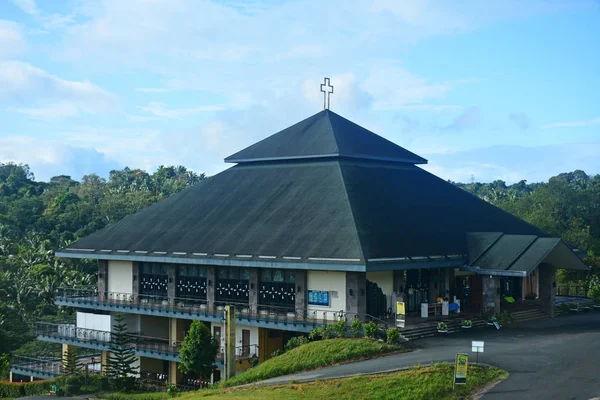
x=244 y=274
x=278 y=275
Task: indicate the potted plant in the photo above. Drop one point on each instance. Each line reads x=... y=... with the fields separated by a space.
x=491 y=320
x=574 y=307
x=467 y=324
x=442 y=327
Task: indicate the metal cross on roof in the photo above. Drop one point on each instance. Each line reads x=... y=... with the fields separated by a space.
x=327 y=89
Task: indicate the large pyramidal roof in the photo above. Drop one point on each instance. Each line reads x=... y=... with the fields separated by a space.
x=324 y=193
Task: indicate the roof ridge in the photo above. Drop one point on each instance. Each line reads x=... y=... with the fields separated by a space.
x=487 y=248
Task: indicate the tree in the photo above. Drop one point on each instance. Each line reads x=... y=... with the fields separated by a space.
x=121 y=360
x=198 y=351
x=70 y=365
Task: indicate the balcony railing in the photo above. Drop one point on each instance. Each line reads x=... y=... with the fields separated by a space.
x=196 y=308
x=51 y=367
x=143 y=345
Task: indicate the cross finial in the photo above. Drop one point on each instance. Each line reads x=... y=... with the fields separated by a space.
x=327 y=89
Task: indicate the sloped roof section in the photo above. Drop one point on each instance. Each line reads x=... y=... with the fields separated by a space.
x=521 y=254
x=325 y=134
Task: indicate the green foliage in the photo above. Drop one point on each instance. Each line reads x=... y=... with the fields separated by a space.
x=35 y=388
x=294 y=342
x=276 y=353
x=505 y=318
x=355 y=327
x=4 y=366
x=441 y=326
x=198 y=351
x=467 y=323
x=70 y=365
x=594 y=288
x=339 y=328
x=121 y=359
x=392 y=336
x=172 y=390
x=370 y=329
x=11 y=390
x=312 y=355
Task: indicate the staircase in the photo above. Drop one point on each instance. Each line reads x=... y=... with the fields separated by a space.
x=431 y=330
x=528 y=315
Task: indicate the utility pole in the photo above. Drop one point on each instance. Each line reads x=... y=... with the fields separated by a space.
x=229 y=358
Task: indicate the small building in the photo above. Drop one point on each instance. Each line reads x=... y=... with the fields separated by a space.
x=321 y=221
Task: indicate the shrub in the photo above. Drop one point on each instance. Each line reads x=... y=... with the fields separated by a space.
x=594 y=289
x=276 y=353
x=370 y=329
x=74 y=383
x=172 y=390
x=531 y=296
x=316 y=333
x=441 y=326
x=339 y=328
x=295 y=342
x=13 y=390
x=467 y=322
x=564 y=308
x=253 y=361
x=355 y=327
x=392 y=335
x=39 y=387
x=70 y=390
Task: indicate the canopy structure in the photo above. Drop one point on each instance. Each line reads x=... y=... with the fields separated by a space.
x=494 y=253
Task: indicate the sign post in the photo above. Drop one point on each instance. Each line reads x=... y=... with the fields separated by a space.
x=400 y=314
x=477 y=347
x=460 y=369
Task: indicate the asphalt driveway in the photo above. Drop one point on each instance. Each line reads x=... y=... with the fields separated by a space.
x=547 y=359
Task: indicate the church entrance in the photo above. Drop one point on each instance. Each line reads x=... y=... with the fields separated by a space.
x=376 y=301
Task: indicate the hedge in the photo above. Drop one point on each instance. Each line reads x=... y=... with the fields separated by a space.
x=14 y=390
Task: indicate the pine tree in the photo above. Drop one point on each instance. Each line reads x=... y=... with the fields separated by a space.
x=198 y=351
x=70 y=364
x=121 y=359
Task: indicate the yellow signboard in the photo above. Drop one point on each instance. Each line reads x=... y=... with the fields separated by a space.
x=400 y=308
x=460 y=373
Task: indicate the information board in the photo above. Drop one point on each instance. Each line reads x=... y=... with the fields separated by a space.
x=318 y=298
x=460 y=372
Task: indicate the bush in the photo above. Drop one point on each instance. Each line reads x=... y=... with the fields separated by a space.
x=392 y=335
x=339 y=328
x=14 y=390
x=74 y=383
x=441 y=326
x=594 y=289
x=355 y=327
x=35 y=388
x=467 y=322
x=276 y=353
x=295 y=342
x=316 y=333
x=370 y=329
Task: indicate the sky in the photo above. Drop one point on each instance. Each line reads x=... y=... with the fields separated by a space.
x=484 y=90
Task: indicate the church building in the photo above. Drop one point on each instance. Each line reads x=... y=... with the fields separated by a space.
x=321 y=221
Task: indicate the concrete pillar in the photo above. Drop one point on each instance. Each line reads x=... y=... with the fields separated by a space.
x=102 y=278
x=211 y=283
x=174 y=373
x=135 y=290
x=356 y=294
x=229 y=342
x=547 y=288
x=171 y=283
x=398 y=286
x=433 y=285
x=31 y=379
x=10 y=376
x=253 y=289
x=104 y=361
x=491 y=294
x=176 y=331
x=301 y=292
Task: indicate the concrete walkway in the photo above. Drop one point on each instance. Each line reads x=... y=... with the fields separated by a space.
x=546 y=359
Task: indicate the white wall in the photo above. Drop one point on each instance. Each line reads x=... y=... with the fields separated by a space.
x=120 y=276
x=94 y=321
x=385 y=280
x=331 y=281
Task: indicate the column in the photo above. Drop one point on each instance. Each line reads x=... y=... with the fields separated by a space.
x=211 y=283
x=102 y=278
x=433 y=285
x=398 y=286
x=174 y=373
x=253 y=289
x=135 y=290
x=491 y=293
x=301 y=279
x=176 y=331
x=356 y=299
x=171 y=283
x=68 y=351
x=104 y=362
x=229 y=342
x=547 y=288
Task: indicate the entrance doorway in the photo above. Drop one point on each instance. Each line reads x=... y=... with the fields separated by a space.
x=245 y=342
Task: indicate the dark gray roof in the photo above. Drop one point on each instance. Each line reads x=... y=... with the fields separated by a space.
x=519 y=254
x=325 y=134
x=332 y=210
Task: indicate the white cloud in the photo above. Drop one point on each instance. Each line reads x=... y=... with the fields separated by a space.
x=574 y=124
x=161 y=110
x=28 y=6
x=24 y=85
x=12 y=42
x=469 y=119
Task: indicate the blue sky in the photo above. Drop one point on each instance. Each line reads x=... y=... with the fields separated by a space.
x=492 y=90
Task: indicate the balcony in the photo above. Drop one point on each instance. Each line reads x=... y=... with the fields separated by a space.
x=144 y=346
x=186 y=308
x=48 y=368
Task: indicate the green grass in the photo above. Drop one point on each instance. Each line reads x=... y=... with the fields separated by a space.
x=135 y=396
x=313 y=355
x=433 y=382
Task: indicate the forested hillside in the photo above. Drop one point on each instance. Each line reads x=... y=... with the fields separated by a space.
x=36 y=218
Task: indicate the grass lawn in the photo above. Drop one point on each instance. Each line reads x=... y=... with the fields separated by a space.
x=313 y=355
x=427 y=383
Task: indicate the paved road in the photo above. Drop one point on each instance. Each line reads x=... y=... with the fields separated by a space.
x=548 y=359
